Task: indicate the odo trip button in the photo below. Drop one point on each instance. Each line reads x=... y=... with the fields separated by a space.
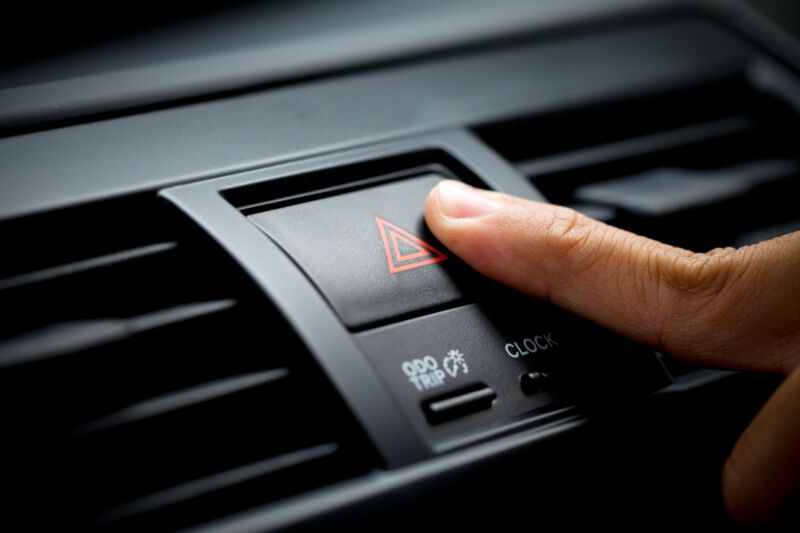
x=459 y=403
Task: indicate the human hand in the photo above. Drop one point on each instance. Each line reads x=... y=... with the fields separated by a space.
x=728 y=308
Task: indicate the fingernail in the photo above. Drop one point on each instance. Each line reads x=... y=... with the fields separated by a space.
x=458 y=200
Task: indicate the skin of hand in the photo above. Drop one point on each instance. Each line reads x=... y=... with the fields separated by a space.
x=727 y=308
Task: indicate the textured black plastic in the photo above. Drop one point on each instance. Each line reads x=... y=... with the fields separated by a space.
x=494 y=343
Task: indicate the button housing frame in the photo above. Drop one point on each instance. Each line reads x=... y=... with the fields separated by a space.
x=219 y=207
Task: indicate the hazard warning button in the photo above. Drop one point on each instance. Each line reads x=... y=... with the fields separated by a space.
x=369 y=251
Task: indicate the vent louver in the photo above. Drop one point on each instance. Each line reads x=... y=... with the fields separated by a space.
x=146 y=384
x=699 y=168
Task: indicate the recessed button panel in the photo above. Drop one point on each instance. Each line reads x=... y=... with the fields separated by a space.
x=437 y=358
x=369 y=251
x=476 y=367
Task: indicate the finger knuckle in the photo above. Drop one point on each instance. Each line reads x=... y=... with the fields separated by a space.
x=567 y=232
x=701 y=273
x=698 y=288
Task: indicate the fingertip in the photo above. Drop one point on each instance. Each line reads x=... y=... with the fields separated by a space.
x=448 y=208
x=456 y=200
x=432 y=208
x=461 y=217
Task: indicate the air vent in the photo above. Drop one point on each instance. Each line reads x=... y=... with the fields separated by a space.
x=703 y=167
x=146 y=384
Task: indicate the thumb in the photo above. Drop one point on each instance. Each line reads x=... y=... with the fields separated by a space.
x=761 y=478
x=727 y=308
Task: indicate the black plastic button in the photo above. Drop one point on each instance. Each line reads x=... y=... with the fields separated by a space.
x=459 y=403
x=369 y=251
x=532 y=382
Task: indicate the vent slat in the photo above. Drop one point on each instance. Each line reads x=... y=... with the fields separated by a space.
x=178 y=313
x=668 y=190
x=84 y=265
x=70 y=337
x=646 y=144
x=184 y=398
x=216 y=482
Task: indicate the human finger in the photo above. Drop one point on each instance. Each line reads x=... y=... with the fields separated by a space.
x=728 y=308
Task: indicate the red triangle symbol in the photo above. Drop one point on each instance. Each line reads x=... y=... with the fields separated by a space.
x=405 y=251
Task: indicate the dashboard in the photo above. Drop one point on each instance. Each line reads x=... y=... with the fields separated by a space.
x=223 y=310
